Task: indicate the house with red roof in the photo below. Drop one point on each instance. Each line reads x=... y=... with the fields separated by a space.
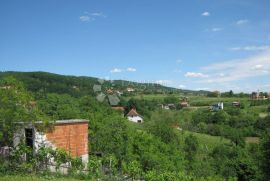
x=134 y=116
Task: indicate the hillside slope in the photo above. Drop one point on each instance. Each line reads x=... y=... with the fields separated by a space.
x=45 y=82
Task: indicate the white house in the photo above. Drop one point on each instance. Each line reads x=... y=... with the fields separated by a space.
x=134 y=116
x=217 y=107
x=129 y=89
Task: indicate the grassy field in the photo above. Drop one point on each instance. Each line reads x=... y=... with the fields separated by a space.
x=206 y=141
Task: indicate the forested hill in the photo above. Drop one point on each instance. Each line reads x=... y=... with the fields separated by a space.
x=45 y=82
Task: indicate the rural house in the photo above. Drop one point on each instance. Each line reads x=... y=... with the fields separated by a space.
x=255 y=96
x=217 y=107
x=168 y=106
x=236 y=104
x=184 y=104
x=69 y=135
x=134 y=116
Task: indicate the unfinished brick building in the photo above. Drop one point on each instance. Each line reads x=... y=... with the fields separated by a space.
x=69 y=135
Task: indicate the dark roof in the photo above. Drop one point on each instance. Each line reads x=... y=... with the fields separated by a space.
x=133 y=112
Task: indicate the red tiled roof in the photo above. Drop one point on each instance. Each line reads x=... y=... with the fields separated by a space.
x=133 y=112
x=118 y=108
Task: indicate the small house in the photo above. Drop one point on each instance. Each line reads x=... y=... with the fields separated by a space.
x=168 y=106
x=129 y=89
x=217 y=107
x=110 y=91
x=255 y=95
x=68 y=135
x=236 y=104
x=184 y=104
x=134 y=116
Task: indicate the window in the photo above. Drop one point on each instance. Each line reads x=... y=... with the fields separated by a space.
x=29 y=137
x=29 y=141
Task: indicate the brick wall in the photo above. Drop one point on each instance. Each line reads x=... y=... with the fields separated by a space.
x=72 y=137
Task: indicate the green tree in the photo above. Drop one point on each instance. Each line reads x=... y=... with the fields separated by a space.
x=60 y=106
x=235 y=136
x=134 y=169
x=191 y=148
x=265 y=152
x=16 y=108
x=162 y=125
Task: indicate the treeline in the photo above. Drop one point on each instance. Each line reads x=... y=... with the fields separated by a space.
x=233 y=123
x=78 y=86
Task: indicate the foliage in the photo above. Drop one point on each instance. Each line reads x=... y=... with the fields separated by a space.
x=265 y=150
x=190 y=148
x=16 y=108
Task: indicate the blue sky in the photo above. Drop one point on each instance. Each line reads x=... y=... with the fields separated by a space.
x=195 y=44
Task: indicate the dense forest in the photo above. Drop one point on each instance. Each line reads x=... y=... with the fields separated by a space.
x=209 y=146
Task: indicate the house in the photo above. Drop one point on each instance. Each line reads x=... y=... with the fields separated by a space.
x=119 y=93
x=255 y=96
x=129 y=89
x=168 y=106
x=134 y=116
x=217 y=107
x=164 y=106
x=236 y=104
x=69 y=135
x=109 y=91
x=184 y=104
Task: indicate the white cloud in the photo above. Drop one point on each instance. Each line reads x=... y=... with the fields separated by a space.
x=195 y=75
x=221 y=74
x=203 y=88
x=182 y=86
x=216 y=29
x=116 y=70
x=86 y=18
x=91 y=17
x=251 y=48
x=206 y=13
x=233 y=70
x=242 y=21
x=258 y=67
x=130 y=69
x=266 y=85
x=99 y=14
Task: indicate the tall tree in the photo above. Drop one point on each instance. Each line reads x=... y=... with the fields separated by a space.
x=16 y=106
x=265 y=150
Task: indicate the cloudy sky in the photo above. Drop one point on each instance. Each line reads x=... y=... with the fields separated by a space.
x=195 y=44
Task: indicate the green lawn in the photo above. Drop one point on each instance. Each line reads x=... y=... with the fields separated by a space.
x=207 y=142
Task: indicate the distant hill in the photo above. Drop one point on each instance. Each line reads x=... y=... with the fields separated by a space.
x=77 y=86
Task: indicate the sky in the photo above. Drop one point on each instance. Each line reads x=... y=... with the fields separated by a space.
x=193 y=44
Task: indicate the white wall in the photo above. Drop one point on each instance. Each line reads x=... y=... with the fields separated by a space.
x=135 y=119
